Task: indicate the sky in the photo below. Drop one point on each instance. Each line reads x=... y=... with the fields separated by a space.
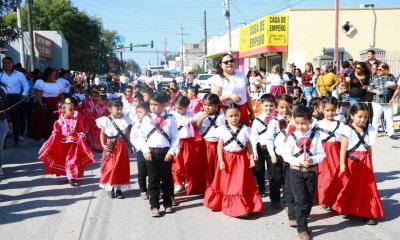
x=142 y=21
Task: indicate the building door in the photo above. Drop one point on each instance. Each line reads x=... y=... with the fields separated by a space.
x=273 y=60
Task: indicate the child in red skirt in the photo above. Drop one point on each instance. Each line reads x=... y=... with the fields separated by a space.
x=233 y=190
x=207 y=122
x=142 y=110
x=329 y=129
x=359 y=195
x=115 y=171
x=65 y=152
x=196 y=104
x=187 y=164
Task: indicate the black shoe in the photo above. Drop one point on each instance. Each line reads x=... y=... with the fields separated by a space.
x=393 y=137
x=111 y=193
x=73 y=183
x=372 y=221
x=119 y=194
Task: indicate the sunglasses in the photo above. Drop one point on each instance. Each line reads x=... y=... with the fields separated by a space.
x=381 y=69
x=228 y=61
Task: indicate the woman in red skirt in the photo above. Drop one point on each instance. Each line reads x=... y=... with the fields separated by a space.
x=207 y=123
x=115 y=171
x=233 y=190
x=359 y=196
x=329 y=184
x=187 y=163
x=278 y=84
x=65 y=152
x=48 y=94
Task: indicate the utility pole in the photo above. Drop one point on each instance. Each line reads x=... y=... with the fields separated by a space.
x=121 y=62
x=205 y=41
x=182 y=34
x=21 y=40
x=227 y=15
x=336 y=58
x=158 y=62
x=32 y=51
x=165 y=52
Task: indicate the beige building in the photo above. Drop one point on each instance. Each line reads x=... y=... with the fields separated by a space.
x=312 y=34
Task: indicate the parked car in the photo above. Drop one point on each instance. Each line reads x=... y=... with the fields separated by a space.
x=202 y=80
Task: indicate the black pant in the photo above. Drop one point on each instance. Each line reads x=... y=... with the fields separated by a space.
x=160 y=174
x=15 y=114
x=288 y=193
x=275 y=178
x=142 y=172
x=26 y=117
x=304 y=185
x=259 y=168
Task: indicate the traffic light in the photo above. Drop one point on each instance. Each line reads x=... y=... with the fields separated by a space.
x=152 y=44
x=131 y=47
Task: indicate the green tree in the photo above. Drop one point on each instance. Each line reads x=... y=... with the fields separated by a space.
x=8 y=28
x=198 y=69
x=133 y=66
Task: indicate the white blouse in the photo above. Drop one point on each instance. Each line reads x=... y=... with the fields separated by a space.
x=212 y=135
x=109 y=129
x=330 y=126
x=351 y=135
x=183 y=123
x=243 y=136
x=236 y=84
x=275 y=80
x=49 y=89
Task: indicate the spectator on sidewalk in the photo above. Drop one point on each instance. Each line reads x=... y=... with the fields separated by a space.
x=371 y=59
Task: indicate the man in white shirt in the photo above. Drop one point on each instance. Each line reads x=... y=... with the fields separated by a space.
x=17 y=90
x=62 y=80
x=123 y=81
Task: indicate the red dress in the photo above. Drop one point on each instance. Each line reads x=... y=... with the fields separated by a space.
x=329 y=183
x=188 y=166
x=211 y=160
x=359 y=196
x=65 y=153
x=233 y=190
x=91 y=111
x=195 y=106
x=43 y=119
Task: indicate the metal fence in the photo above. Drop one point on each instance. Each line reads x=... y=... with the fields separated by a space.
x=391 y=58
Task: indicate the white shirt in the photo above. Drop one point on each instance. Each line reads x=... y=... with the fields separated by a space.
x=123 y=123
x=184 y=124
x=65 y=83
x=134 y=136
x=212 y=135
x=236 y=84
x=351 y=135
x=157 y=139
x=243 y=136
x=16 y=83
x=253 y=82
x=128 y=107
x=275 y=80
x=259 y=131
x=123 y=79
x=147 y=80
x=97 y=81
x=272 y=131
x=290 y=148
x=330 y=126
x=49 y=89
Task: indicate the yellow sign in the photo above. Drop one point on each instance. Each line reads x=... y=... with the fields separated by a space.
x=267 y=34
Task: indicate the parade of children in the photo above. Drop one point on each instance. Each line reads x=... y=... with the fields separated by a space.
x=297 y=153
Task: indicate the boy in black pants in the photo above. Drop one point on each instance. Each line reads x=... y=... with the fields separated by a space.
x=303 y=151
x=259 y=129
x=158 y=135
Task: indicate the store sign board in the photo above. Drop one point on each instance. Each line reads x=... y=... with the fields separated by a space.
x=44 y=46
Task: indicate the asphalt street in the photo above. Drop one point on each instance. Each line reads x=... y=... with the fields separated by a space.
x=35 y=205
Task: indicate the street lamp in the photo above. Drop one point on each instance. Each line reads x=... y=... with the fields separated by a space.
x=371 y=6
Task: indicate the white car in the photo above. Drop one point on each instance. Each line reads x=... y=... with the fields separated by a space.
x=202 y=80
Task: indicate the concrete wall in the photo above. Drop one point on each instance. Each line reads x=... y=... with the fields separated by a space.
x=310 y=30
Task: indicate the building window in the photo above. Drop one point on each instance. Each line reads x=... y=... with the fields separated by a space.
x=195 y=45
x=331 y=52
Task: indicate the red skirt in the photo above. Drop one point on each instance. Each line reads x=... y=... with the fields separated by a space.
x=329 y=183
x=115 y=170
x=212 y=160
x=244 y=114
x=277 y=90
x=233 y=190
x=188 y=166
x=93 y=133
x=43 y=119
x=359 y=196
x=66 y=159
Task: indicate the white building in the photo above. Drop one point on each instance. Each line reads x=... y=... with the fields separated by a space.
x=51 y=50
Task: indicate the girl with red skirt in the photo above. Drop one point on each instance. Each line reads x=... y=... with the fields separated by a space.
x=187 y=163
x=115 y=171
x=65 y=152
x=196 y=104
x=233 y=190
x=359 y=195
x=207 y=122
x=48 y=93
x=329 y=184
